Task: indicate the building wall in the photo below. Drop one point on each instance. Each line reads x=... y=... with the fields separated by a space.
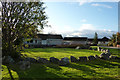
x=101 y=42
x=36 y=41
x=54 y=41
x=75 y=42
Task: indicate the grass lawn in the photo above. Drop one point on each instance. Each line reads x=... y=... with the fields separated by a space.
x=99 y=69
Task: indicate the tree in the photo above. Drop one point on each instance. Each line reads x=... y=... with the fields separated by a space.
x=118 y=37
x=96 y=38
x=113 y=40
x=20 y=20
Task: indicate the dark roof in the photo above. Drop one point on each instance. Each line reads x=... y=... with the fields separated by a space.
x=75 y=38
x=99 y=39
x=90 y=39
x=49 y=36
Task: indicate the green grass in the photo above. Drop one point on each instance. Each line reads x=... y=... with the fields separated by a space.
x=99 y=69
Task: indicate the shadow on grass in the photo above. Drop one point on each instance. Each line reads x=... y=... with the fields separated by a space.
x=32 y=73
x=102 y=64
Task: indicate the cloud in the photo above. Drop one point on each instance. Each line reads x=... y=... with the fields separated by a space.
x=83 y=20
x=89 y=33
x=101 y=5
x=57 y=29
x=82 y=2
x=86 y=27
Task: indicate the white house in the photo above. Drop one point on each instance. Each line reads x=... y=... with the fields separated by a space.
x=75 y=40
x=45 y=40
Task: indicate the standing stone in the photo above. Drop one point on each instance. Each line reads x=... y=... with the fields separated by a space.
x=66 y=60
x=24 y=65
x=104 y=56
x=114 y=57
x=97 y=57
x=32 y=60
x=91 y=57
x=62 y=63
x=54 y=60
x=77 y=47
x=7 y=60
x=83 y=58
x=73 y=59
x=107 y=51
x=99 y=48
x=43 y=60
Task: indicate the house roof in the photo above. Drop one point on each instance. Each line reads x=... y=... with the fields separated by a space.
x=49 y=36
x=75 y=38
x=99 y=39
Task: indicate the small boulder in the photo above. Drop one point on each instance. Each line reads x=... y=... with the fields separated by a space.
x=91 y=57
x=78 y=47
x=99 y=48
x=62 y=63
x=65 y=60
x=83 y=58
x=73 y=59
x=104 y=56
x=43 y=60
x=107 y=51
x=54 y=60
x=7 y=60
x=32 y=60
x=114 y=57
x=97 y=57
x=24 y=65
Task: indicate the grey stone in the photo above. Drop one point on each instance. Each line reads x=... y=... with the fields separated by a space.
x=32 y=60
x=99 y=48
x=91 y=57
x=65 y=60
x=54 y=60
x=7 y=60
x=62 y=63
x=114 y=57
x=107 y=51
x=24 y=65
x=43 y=60
x=97 y=57
x=78 y=47
x=108 y=54
x=104 y=56
x=73 y=59
x=83 y=58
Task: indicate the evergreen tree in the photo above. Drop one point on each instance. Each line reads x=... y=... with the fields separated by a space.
x=96 y=38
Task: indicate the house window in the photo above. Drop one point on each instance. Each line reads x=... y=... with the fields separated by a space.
x=35 y=41
x=31 y=41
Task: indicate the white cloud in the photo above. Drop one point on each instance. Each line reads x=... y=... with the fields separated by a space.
x=80 y=1
x=57 y=29
x=86 y=27
x=101 y=5
x=83 y=20
x=90 y=33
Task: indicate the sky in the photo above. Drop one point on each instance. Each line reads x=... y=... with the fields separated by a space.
x=82 y=19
